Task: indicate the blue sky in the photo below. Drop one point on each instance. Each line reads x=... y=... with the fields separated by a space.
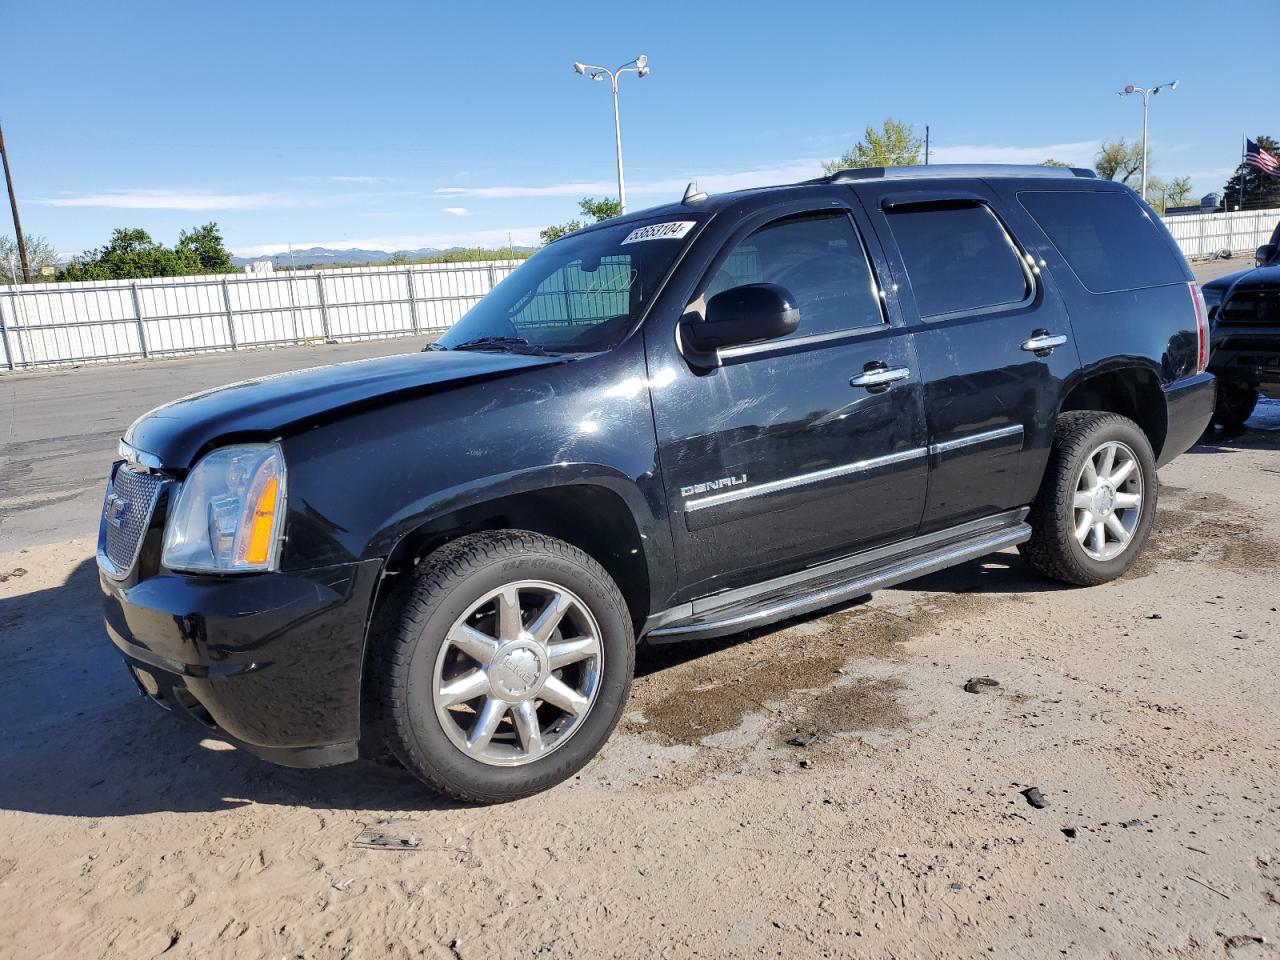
x=399 y=125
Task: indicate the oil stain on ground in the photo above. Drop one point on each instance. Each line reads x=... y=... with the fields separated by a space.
x=1206 y=528
x=691 y=691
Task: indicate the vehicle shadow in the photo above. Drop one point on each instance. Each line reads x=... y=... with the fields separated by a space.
x=80 y=741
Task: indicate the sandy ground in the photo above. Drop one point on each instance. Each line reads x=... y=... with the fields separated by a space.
x=1144 y=710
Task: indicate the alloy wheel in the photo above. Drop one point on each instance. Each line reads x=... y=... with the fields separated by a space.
x=518 y=673
x=1108 y=500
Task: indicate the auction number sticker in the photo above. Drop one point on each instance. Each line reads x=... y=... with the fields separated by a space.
x=660 y=231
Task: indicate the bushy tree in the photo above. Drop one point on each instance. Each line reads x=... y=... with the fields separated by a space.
x=1120 y=160
x=40 y=254
x=132 y=254
x=1053 y=163
x=1251 y=189
x=605 y=208
x=895 y=144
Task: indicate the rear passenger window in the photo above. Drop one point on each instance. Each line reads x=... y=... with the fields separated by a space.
x=1108 y=240
x=820 y=260
x=959 y=258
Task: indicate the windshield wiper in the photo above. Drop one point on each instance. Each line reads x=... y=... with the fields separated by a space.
x=514 y=344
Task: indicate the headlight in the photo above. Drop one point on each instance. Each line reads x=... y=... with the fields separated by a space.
x=230 y=512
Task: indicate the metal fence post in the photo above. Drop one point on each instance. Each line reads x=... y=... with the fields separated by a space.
x=413 y=301
x=231 y=320
x=137 y=312
x=324 y=306
x=493 y=276
x=4 y=331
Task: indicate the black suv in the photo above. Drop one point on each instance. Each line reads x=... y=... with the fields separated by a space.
x=1244 y=314
x=679 y=423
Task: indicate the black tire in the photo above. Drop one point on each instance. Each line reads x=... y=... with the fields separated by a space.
x=1234 y=407
x=404 y=654
x=1053 y=548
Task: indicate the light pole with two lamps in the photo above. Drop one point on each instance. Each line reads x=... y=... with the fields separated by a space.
x=640 y=66
x=1147 y=94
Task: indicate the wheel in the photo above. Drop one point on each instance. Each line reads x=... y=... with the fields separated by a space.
x=1235 y=406
x=506 y=668
x=1096 y=504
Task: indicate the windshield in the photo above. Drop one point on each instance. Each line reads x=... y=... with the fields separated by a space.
x=580 y=294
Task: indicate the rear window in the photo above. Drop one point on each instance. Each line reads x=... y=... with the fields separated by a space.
x=1107 y=239
x=959 y=258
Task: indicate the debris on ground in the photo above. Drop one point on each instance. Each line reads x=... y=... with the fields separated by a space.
x=802 y=739
x=979 y=684
x=1154 y=616
x=1035 y=797
x=1133 y=823
x=12 y=574
x=1069 y=832
x=342 y=886
x=390 y=835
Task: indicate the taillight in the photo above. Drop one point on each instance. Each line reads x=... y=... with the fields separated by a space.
x=1202 y=327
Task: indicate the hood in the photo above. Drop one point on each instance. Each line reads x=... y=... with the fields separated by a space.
x=267 y=407
x=1268 y=276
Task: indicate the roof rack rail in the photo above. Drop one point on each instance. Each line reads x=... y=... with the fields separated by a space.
x=953 y=170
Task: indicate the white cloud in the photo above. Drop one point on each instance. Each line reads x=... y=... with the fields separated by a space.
x=178 y=199
x=519 y=236
x=455 y=211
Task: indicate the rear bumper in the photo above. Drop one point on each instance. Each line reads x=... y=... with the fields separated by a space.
x=1189 y=407
x=270 y=662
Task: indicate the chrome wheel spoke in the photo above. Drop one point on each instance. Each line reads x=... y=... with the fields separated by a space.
x=1121 y=473
x=1084 y=523
x=544 y=625
x=1117 y=529
x=510 y=623
x=474 y=684
x=1099 y=537
x=1108 y=460
x=1089 y=478
x=1127 y=501
x=476 y=645
x=528 y=728
x=1083 y=500
x=486 y=724
x=571 y=651
x=559 y=694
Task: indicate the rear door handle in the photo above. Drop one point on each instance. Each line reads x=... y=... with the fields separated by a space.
x=1042 y=342
x=879 y=377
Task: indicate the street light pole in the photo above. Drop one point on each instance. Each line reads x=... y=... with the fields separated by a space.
x=640 y=66
x=1147 y=94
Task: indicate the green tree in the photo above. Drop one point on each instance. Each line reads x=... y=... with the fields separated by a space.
x=40 y=254
x=1178 y=192
x=130 y=255
x=1053 y=163
x=606 y=208
x=1251 y=189
x=203 y=248
x=1120 y=160
x=895 y=144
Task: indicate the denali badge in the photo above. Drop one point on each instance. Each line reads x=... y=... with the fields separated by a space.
x=713 y=485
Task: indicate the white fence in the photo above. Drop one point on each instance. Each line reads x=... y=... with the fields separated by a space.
x=51 y=323
x=1202 y=234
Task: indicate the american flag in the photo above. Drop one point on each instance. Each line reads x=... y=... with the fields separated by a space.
x=1255 y=156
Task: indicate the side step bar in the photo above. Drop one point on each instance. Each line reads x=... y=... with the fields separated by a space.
x=858 y=582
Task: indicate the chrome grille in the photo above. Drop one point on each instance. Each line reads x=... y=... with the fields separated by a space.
x=126 y=514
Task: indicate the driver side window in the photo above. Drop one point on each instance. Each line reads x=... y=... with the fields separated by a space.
x=819 y=259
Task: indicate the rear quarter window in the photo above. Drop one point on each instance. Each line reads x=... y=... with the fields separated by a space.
x=1107 y=239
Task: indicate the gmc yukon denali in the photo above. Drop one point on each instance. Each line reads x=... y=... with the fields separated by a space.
x=680 y=423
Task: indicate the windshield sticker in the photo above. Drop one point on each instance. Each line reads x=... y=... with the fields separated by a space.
x=660 y=231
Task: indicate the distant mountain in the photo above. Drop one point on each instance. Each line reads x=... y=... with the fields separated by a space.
x=313 y=256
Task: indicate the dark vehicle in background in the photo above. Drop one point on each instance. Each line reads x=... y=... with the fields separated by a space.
x=679 y=423
x=1244 y=315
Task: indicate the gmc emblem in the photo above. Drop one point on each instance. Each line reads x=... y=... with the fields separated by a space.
x=115 y=509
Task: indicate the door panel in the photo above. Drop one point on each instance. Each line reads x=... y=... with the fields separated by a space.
x=991 y=405
x=773 y=460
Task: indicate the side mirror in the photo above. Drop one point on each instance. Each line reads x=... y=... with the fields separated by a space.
x=751 y=313
x=1265 y=254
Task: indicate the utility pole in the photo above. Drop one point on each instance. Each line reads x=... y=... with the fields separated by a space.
x=926 y=144
x=13 y=205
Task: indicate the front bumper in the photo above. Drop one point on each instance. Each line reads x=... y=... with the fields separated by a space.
x=1189 y=408
x=1248 y=357
x=270 y=662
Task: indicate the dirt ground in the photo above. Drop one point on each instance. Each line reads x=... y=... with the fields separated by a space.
x=1144 y=710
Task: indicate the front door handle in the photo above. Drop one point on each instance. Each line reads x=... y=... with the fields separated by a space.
x=1042 y=342
x=879 y=377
